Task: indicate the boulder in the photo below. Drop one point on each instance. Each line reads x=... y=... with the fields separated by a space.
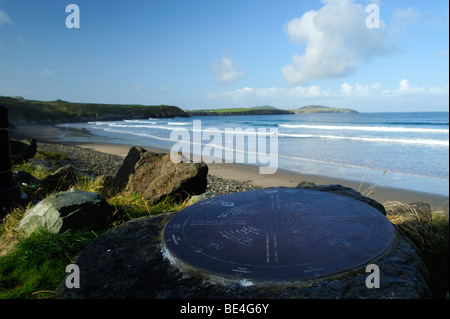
x=62 y=179
x=344 y=191
x=157 y=176
x=22 y=150
x=72 y=210
x=128 y=167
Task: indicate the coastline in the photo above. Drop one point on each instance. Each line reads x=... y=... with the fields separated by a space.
x=245 y=172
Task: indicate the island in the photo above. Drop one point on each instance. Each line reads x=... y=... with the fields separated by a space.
x=322 y=109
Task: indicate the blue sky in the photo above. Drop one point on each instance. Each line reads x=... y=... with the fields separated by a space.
x=208 y=54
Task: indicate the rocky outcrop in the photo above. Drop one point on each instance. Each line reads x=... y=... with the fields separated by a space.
x=62 y=179
x=157 y=177
x=72 y=210
x=129 y=262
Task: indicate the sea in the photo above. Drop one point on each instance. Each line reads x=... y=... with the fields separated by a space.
x=401 y=150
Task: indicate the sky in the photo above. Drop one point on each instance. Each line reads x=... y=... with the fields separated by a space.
x=371 y=56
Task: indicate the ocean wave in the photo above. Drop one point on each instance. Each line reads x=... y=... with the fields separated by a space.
x=140 y=121
x=367 y=128
x=418 y=141
x=137 y=134
x=150 y=125
x=178 y=123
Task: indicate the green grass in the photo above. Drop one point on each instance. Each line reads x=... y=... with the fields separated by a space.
x=134 y=205
x=33 y=266
x=49 y=155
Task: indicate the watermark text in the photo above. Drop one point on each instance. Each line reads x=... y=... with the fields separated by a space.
x=232 y=145
x=73 y=19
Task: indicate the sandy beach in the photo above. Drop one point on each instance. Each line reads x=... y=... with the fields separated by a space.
x=243 y=172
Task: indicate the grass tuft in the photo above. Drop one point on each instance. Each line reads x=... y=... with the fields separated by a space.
x=430 y=233
x=35 y=268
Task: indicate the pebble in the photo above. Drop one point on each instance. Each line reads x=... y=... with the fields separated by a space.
x=86 y=160
x=98 y=163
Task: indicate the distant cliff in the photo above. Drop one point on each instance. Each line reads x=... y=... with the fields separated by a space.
x=23 y=111
x=257 y=110
x=268 y=110
x=322 y=109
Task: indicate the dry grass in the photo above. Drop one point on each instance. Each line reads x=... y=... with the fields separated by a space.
x=430 y=233
x=424 y=229
x=9 y=238
x=369 y=191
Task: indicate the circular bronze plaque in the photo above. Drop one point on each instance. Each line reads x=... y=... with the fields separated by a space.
x=278 y=234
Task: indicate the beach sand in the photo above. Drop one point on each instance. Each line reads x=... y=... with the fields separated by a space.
x=243 y=172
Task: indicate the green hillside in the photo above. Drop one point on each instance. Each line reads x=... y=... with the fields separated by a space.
x=269 y=110
x=257 y=110
x=23 y=111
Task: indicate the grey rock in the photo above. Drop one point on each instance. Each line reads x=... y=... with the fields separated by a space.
x=157 y=177
x=128 y=167
x=72 y=210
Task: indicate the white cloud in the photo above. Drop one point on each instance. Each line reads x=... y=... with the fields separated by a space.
x=4 y=18
x=346 y=88
x=336 y=40
x=226 y=71
x=405 y=16
x=47 y=72
x=438 y=90
x=404 y=88
x=276 y=96
x=349 y=95
x=269 y=93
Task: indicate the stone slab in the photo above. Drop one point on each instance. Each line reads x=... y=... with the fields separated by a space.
x=129 y=262
x=282 y=234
